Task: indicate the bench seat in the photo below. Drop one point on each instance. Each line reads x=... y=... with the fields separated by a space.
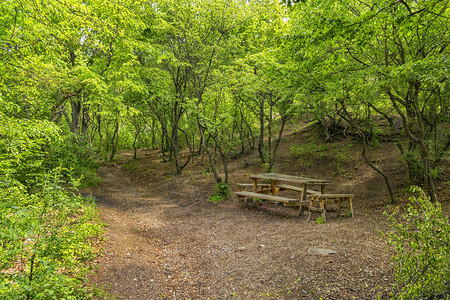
x=333 y=196
x=267 y=197
x=261 y=185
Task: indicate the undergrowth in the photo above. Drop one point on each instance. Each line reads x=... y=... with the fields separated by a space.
x=49 y=236
x=421 y=240
x=48 y=240
x=222 y=192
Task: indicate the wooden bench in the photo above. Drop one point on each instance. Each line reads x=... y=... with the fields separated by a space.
x=272 y=198
x=324 y=199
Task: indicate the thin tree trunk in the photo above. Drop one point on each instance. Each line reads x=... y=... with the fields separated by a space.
x=113 y=141
x=134 y=143
x=76 y=111
x=99 y=129
x=261 y=132
x=276 y=144
x=212 y=160
x=363 y=137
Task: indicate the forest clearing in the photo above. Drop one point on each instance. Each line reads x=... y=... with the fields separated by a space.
x=166 y=241
x=207 y=149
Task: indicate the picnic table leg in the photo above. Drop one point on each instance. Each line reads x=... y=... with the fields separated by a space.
x=255 y=189
x=311 y=203
x=272 y=186
x=255 y=185
x=322 y=189
x=351 y=205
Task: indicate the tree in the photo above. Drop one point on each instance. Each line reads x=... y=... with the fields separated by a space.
x=386 y=57
x=190 y=42
x=260 y=73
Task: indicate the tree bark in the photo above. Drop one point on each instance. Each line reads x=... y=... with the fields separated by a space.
x=261 y=131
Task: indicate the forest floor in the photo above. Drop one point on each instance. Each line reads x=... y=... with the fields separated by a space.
x=164 y=240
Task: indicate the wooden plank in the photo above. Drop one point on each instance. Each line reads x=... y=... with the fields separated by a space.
x=325 y=196
x=289 y=178
x=267 y=197
x=297 y=189
x=251 y=184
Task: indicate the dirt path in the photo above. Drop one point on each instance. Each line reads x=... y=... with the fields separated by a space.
x=164 y=241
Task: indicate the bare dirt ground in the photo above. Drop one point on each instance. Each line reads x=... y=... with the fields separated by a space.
x=165 y=241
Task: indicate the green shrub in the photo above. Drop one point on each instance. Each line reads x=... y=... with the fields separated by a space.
x=421 y=241
x=29 y=148
x=23 y=146
x=222 y=192
x=68 y=152
x=48 y=238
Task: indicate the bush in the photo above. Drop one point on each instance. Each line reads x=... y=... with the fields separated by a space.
x=421 y=241
x=29 y=148
x=21 y=147
x=68 y=152
x=48 y=239
x=222 y=192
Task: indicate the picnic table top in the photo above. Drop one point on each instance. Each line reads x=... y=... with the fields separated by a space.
x=289 y=178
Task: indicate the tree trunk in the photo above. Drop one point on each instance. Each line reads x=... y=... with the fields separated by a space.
x=261 y=132
x=114 y=141
x=85 y=119
x=99 y=130
x=76 y=111
x=276 y=144
x=153 y=134
x=363 y=137
x=136 y=135
x=413 y=126
x=212 y=160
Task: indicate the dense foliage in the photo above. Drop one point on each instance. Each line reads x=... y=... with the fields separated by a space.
x=48 y=234
x=222 y=77
x=422 y=244
x=48 y=239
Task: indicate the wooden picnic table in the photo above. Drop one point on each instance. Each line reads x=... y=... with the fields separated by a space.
x=268 y=191
x=275 y=178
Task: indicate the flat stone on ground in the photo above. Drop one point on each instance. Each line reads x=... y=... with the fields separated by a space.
x=320 y=251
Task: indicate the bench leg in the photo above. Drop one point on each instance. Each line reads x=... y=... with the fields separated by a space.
x=339 y=207
x=311 y=203
x=301 y=209
x=351 y=205
x=245 y=199
x=322 y=207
